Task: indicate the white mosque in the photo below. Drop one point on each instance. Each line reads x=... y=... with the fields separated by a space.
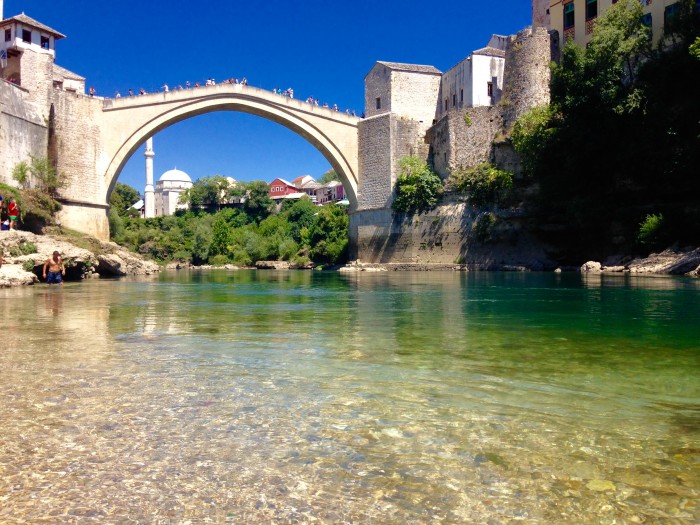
x=163 y=200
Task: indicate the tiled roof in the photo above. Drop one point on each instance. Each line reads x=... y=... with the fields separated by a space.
x=63 y=72
x=490 y=51
x=24 y=19
x=414 y=68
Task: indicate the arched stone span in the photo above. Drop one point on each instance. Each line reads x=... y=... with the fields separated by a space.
x=129 y=121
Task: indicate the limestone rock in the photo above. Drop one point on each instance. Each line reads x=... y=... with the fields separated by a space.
x=669 y=261
x=15 y=275
x=272 y=265
x=591 y=266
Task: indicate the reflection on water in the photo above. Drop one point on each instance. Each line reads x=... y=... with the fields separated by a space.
x=249 y=397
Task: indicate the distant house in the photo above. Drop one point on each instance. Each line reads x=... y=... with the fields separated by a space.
x=279 y=188
x=331 y=192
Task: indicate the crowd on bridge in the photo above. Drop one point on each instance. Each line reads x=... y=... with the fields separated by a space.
x=289 y=92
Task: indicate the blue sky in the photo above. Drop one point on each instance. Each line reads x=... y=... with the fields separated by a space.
x=319 y=48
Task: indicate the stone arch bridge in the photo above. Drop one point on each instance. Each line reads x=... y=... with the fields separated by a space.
x=106 y=132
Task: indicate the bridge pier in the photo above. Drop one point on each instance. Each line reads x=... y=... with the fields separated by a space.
x=86 y=218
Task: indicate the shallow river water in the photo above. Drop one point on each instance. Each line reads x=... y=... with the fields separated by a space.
x=314 y=397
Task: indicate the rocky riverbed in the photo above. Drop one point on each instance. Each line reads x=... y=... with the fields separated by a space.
x=24 y=254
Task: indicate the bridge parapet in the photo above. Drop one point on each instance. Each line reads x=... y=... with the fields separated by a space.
x=195 y=93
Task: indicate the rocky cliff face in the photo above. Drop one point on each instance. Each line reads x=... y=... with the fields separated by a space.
x=25 y=253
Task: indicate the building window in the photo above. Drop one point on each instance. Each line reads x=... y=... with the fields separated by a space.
x=489 y=89
x=461 y=95
x=44 y=42
x=671 y=13
x=445 y=104
x=568 y=15
x=454 y=99
x=27 y=36
x=379 y=102
x=8 y=35
x=591 y=9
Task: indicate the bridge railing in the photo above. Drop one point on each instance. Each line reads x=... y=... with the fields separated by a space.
x=223 y=87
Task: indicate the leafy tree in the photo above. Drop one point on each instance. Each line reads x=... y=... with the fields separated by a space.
x=258 y=204
x=327 y=177
x=484 y=184
x=417 y=187
x=220 y=236
x=123 y=197
x=619 y=137
x=207 y=193
x=300 y=214
x=328 y=237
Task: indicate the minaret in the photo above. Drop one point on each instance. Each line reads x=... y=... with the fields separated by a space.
x=148 y=197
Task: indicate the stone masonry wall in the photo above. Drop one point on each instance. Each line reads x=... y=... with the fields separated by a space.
x=415 y=96
x=460 y=142
x=78 y=116
x=23 y=130
x=527 y=72
x=446 y=235
x=383 y=141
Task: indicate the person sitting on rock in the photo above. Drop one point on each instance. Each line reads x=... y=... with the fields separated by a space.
x=56 y=270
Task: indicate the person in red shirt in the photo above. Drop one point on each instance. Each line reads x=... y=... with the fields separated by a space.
x=13 y=212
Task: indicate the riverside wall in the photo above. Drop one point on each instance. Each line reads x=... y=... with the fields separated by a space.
x=23 y=129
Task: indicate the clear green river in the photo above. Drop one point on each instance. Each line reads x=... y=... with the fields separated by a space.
x=322 y=397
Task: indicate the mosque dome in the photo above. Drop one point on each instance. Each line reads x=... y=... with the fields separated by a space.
x=175 y=175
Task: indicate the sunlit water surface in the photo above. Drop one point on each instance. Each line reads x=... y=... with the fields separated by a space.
x=313 y=397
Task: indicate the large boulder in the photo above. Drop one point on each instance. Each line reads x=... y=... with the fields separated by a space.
x=29 y=250
x=669 y=261
x=15 y=275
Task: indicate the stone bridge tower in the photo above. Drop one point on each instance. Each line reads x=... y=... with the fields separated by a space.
x=400 y=104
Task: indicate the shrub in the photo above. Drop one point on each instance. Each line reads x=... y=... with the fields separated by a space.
x=417 y=187
x=28 y=265
x=484 y=184
x=482 y=226
x=27 y=247
x=241 y=258
x=651 y=231
x=219 y=260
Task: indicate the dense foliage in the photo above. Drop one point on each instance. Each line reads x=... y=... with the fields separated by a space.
x=300 y=232
x=417 y=187
x=484 y=184
x=36 y=197
x=621 y=137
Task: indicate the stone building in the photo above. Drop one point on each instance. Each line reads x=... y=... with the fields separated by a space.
x=168 y=190
x=19 y=34
x=475 y=81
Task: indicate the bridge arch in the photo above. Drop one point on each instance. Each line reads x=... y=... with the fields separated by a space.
x=128 y=122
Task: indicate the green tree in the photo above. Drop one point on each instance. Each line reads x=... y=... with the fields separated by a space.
x=484 y=184
x=618 y=137
x=258 y=204
x=417 y=187
x=207 y=193
x=220 y=236
x=327 y=177
x=123 y=197
x=328 y=236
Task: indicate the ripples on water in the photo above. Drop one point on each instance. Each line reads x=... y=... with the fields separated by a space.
x=293 y=397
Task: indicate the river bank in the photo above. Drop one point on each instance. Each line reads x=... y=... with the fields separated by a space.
x=24 y=254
